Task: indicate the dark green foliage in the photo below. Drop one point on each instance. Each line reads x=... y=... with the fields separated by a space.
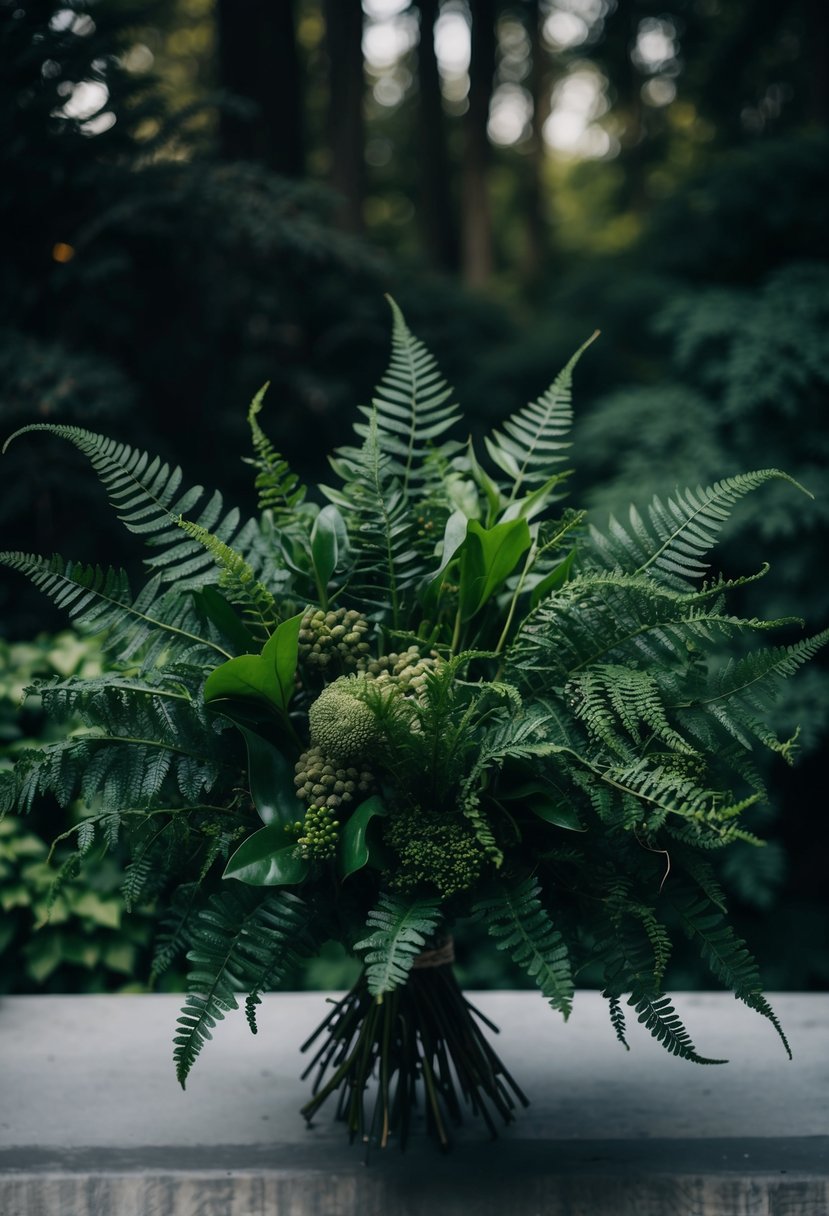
x=401 y=928
x=539 y=708
x=517 y=919
x=239 y=942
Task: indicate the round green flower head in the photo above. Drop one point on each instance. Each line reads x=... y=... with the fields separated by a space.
x=340 y=723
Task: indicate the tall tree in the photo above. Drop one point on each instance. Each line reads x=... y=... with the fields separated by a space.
x=437 y=216
x=537 y=245
x=344 y=38
x=259 y=69
x=476 y=234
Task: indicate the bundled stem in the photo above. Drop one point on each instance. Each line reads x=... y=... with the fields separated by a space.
x=374 y=1054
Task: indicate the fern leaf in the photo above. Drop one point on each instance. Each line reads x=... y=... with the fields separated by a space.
x=173 y=936
x=239 y=939
x=238 y=581
x=146 y=494
x=658 y=1016
x=532 y=441
x=727 y=957
x=401 y=929
x=100 y=601
x=617 y=1019
x=278 y=488
x=386 y=562
x=520 y=924
x=672 y=541
x=411 y=406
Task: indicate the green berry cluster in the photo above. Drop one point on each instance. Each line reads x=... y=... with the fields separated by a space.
x=433 y=849
x=321 y=781
x=320 y=831
x=337 y=638
x=407 y=670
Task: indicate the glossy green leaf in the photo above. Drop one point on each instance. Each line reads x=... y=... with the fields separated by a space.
x=283 y=650
x=271 y=779
x=354 y=849
x=552 y=581
x=533 y=504
x=487 y=557
x=267 y=677
x=544 y=801
x=328 y=543
x=266 y=859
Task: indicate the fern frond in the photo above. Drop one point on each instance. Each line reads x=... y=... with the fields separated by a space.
x=411 y=406
x=240 y=939
x=532 y=441
x=672 y=541
x=610 y=699
x=238 y=581
x=381 y=527
x=612 y=617
x=145 y=493
x=521 y=925
x=401 y=929
x=617 y=1019
x=173 y=936
x=727 y=956
x=99 y=601
x=279 y=489
x=658 y=1015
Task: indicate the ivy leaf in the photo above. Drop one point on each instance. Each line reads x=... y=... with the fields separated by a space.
x=267 y=859
x=487 y=557
x=354 y=848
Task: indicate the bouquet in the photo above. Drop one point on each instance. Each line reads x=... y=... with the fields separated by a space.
x=439 y=696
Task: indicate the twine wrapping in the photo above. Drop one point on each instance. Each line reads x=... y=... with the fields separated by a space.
x=441 y=956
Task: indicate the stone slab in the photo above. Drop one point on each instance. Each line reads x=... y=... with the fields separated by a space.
x=93 y=1123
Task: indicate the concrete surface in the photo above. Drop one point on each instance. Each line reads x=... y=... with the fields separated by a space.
x=93 y=1123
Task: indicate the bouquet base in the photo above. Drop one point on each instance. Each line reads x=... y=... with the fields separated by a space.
x=422 y=1042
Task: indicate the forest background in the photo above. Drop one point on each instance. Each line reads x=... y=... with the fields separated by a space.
x=197 y=196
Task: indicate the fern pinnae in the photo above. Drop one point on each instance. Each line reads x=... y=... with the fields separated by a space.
x=401 y=928
x=98 y=601
x=520 y=924
x=409 y=407
x=145 y=494
x=237 y=580
x=236 y=939
x=727 y=956
x=534 y=435
x=279 y=489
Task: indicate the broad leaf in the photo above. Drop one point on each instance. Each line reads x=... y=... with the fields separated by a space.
x=267 y=677
x=267 y=859
x=487 y=557
x=329 y=541
x=354 y=849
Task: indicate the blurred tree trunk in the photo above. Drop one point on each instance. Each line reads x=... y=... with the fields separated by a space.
x=258 y=64
x=538 y=236
x=437 y=217
x=344 y=38
x=476 y=233
x=818 y=29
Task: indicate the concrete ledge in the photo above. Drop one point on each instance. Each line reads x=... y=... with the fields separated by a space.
x=92 y=1122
